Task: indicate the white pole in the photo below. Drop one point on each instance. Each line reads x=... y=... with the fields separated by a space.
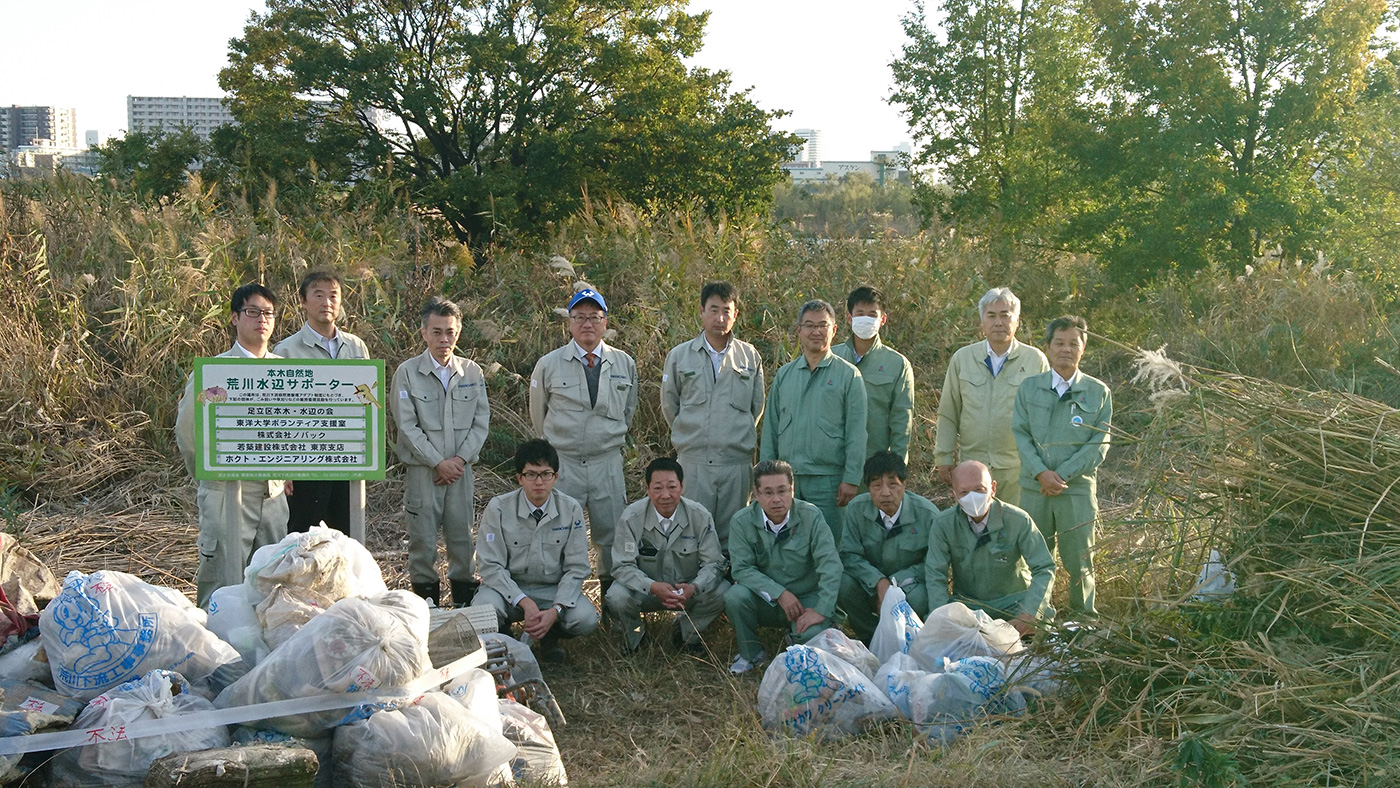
x=357 y=511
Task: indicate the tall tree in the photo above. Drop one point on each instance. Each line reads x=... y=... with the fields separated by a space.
x=983 y=92
x=1223 y=115
x=504 y=113
x=152 y=165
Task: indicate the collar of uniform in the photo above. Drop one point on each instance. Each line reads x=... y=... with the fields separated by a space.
x=313 y=337
x=1010 y=351
x=579 y=353
x=768 y=524
x=1073 y=379
x=701 y=345
x=994 y=521
x=889 y=522
x=428 y=365
x=523 y=507
x=825 y=362
x=245 y=352
x=677 y=518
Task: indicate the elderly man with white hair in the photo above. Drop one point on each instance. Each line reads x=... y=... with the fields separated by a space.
x=979 y=394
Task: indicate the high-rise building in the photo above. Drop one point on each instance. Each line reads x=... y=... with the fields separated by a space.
x=91 y=138
x=20 y=126
x=811 y=148
x=199 y=114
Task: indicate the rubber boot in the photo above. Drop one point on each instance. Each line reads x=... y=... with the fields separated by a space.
x=429 y=591
x=463 y=591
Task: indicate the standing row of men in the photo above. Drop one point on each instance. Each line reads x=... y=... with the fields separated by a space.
x=828 y=411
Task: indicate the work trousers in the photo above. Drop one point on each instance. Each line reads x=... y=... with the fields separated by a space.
x=597 y=483
x=1068 y=521
x=315 y=502
x=747 y=612
x=820 y=491
x=627 y=607
x=429 y=507
x=262 y=521
x=576 y=621
x=722 y=488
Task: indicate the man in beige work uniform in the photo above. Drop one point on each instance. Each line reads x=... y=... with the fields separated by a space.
x=887 y=374
x=262 y=517
x=443 y=417
x=712 y=396
x=582 y=398
x=320 y=501
x=979 y=393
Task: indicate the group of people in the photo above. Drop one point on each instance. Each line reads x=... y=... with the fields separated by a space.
x=816 y=533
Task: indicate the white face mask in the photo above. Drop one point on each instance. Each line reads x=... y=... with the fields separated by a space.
x=865 y=327
x=975 y=504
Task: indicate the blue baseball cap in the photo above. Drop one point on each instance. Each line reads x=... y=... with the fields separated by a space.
x=588 y=294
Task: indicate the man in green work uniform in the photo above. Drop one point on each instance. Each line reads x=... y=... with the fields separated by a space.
x=816 y=418
x=979 y=393
x=666 y=557
x=887 y=532
x=997 y=558
x=888 y=376
x=262 y=515
x=320 y=501
x=786 y=569
x=1061 y=423
x=441 y=410
x=582 y=399
x=712 y=396
x=533 y=550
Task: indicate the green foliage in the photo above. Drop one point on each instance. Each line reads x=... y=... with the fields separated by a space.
x=499 y=114
x=153 y=165
x=1201 y=765
x=855 y=206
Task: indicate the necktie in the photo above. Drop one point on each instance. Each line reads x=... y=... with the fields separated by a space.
x=666 y=524
x=988 y=361
x=893 y=530
x=537 y=515
x=592 y=359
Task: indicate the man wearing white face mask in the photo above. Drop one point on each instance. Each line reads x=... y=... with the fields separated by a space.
x=888 y=376
x=996 y=556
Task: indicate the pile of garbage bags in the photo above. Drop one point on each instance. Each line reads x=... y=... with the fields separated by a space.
x=108 y=654
x=943 y=675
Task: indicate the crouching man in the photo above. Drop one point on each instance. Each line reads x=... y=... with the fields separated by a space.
x=785 y=566
x=532 y=553
x=666 y=556
x=997 y=557
x=886 y=541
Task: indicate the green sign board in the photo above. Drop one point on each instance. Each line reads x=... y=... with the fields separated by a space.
x=289 y=418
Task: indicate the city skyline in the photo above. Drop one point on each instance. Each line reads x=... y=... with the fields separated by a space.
x=824 y=64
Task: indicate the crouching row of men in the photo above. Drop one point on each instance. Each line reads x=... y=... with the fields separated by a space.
x=532 y=551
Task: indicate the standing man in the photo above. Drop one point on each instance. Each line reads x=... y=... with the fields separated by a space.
x=667 y=557
x=712 y=396
x=816 y=418
x=979 y=393
x=312 y=502
x=786 y=570
x=534 y=555
x=888 y=376
x=443 y=418
x=887 y=532
x=262 y=514
x=582 y=399
x=1061 y=423
x=996 y=556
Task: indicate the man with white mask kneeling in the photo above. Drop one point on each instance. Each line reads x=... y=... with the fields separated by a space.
x=993 y=551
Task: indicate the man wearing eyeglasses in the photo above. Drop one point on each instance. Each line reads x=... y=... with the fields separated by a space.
x=712 y=396
x=443 y=416
x=815 y=419
x=582 y=399
x=262 y=519
x=533 y=553
x=997 y=558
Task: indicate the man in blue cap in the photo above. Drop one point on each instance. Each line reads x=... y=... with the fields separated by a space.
x=582 y=399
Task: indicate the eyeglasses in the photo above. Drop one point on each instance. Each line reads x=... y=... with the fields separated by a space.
x=588 y=318
x=537 y=476
x=253 y=313
x=815 y=326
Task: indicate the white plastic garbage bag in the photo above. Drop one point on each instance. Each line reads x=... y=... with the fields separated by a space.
x=476 y=691
x=956 y=632
x=807 y=690
x=433 y=741
x=233 y=617
x=536 y=760
x=286 y=609
x=156 y=695
x=355 y=646
x=853 y=652
x=25 y=662
x=107 y=628
x=1215 y=583
x=947 y=703
x=896 y=677
x=897 y=628
x=321 y=559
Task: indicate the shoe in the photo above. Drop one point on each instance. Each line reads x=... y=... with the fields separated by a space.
x=551 y=651
x=463 y=591
x=741 y=666
x=429 y=591
x=628 y=649
x=683 y=646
